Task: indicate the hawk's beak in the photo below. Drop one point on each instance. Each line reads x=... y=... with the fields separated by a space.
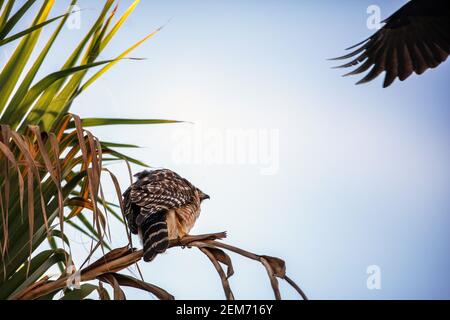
x=205 y=196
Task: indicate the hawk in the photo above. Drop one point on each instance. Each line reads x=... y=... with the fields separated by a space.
x=161 y=206
x=413 y=39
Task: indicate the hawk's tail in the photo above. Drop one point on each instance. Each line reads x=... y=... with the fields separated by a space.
x=155 y=236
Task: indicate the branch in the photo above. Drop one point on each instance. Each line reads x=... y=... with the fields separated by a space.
x=121 y=258
x=225 y=284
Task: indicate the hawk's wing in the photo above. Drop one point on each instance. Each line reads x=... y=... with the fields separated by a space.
x=155 y=192
x=414 y=39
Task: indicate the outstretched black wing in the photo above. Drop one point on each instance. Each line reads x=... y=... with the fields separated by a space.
x=414 y=39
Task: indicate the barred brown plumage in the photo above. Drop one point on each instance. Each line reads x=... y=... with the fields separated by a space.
x=161 y=206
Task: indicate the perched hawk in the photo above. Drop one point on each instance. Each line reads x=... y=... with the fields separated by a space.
x=161 y=206
x=413 y=39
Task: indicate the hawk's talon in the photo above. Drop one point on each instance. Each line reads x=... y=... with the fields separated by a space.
x=179 y=241
x=184 y=246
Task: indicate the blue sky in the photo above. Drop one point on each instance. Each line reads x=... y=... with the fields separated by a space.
x=362 y=176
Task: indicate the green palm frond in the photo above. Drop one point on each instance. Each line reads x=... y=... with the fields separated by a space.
x=50 y=166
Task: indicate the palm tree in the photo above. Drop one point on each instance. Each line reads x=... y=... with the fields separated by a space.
x=50 y=164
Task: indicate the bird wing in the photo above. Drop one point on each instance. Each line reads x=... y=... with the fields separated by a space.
x=158 y=191
x=414 y=39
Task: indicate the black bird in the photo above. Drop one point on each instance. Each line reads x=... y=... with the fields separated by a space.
x=413 y=39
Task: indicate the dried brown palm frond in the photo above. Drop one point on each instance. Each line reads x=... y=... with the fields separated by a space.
x=106 y=270
x=42 y=175
x=46 y=180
